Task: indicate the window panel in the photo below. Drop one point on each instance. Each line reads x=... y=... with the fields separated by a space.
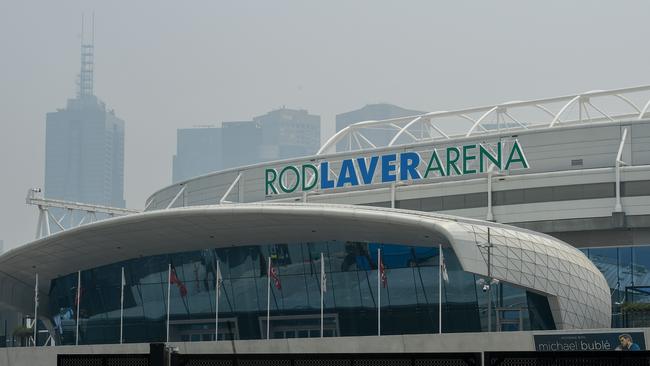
x=409 y=303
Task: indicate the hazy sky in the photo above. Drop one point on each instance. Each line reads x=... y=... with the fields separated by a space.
x=164 y=65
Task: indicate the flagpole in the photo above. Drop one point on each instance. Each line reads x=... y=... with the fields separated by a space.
x=169 y=292
x=268 y=302
x=122 y=308
x=217 y=289
x=322 y=291
x=78 y=303
x=378 y=291
x=439 y=288
x=35 y=325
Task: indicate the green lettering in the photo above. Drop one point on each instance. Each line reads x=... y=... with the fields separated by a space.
x=269 y=182
x=467 y=158
x=282 y=175
x=308 y=186
x=485 y=153
x=451 y=161
x=438 y=167
x=521 y=158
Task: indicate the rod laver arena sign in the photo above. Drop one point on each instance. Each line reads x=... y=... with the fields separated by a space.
x=393 y=167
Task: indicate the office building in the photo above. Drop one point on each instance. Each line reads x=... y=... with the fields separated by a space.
x=198 y=152
x=371 y=112
x=84 y=146
x=288 y=133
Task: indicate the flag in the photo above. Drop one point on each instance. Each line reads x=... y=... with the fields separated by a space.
x=77 y=296
x=36 y=291
x=443 y=268
x=219 y=278
x=182 y=289
x=323 y=278
x=275 y=277
x=382 y=272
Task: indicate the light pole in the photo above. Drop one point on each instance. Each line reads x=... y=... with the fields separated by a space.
x=487 y=284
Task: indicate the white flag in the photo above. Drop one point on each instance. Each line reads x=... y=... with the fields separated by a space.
x=443 y=267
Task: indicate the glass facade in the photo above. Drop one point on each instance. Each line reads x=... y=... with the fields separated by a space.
x=627 y=271
x=409 y=301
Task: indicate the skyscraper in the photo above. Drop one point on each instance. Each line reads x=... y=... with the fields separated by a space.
x=198 y=152
x=241 y=142
x=372 y=112
x=288 y=133
x=84 y=146
x=280 y=134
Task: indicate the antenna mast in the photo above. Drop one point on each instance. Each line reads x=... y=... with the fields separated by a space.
x=87 y=61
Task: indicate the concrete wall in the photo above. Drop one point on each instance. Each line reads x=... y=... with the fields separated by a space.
x=450 y=342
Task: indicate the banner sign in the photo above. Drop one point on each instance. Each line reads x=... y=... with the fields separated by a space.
x=631 y=341
x=394 y=167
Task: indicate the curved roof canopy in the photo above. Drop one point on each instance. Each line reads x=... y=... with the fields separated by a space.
x=577 y=291
x=592 y=106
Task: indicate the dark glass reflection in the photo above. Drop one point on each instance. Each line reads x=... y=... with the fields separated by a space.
x=409 y=301
x=627 y=271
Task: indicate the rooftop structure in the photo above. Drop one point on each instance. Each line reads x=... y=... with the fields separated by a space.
x=84 y=147
x=198 y=152
x=510 y=117
x=374 y=112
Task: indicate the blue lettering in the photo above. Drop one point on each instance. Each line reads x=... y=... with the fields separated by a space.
x=348 y=174
x=367 y=172
x=409 y=162
x=387 y=168
x=325 y=181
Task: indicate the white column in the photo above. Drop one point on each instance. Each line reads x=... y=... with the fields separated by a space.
x=78 y=304
x=169 y=292
x=122 y=307
x=35 y=325
x=439 y=288
x=322 y=292
x=619 y=156
x=268 y=302
x=490 y=214
x=378 y=291
x=216 y=306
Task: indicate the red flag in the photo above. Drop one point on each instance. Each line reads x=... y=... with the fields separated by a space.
x=382 y=273
x=275 y=277
x=182 y=289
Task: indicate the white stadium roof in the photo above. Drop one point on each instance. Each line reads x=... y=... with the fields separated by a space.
x=578 y=293
x=592 y=106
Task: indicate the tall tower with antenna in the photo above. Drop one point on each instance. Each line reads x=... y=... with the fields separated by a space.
x=84 y=142
x=86 y=76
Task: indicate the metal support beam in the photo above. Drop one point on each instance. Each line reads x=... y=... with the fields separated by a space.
x=618 y=207
x=232 y=185
x=478 y=115
x=68 y=209
x=171 y=203
x=478 y=121
x=490 y=215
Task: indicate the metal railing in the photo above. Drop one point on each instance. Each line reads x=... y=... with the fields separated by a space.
x=592 y=106
x=66 y=220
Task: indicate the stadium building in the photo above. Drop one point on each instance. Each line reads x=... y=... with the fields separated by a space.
x=535 y=217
